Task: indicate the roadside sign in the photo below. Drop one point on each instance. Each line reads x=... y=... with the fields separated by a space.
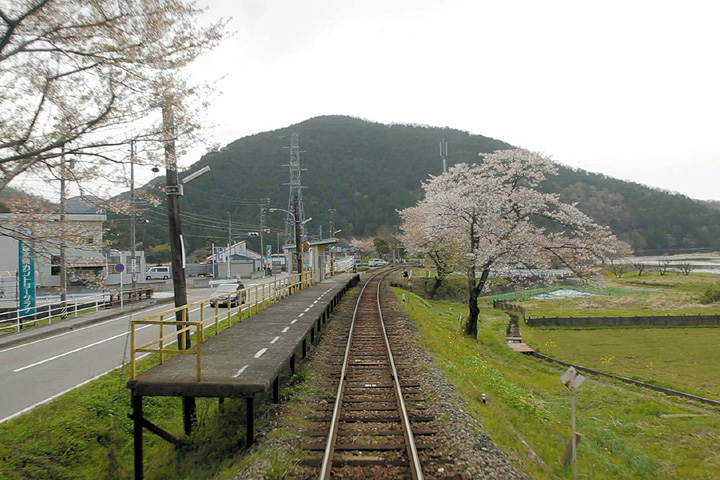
x=119 y=268
x=304 y=246
x=268 y=253
x=26 y=280
x=571 y=378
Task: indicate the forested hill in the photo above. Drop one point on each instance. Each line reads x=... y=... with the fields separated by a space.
x=365 y=171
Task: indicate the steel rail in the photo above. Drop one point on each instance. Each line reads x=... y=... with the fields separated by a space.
x=332 y=434
x=414 y=459
x=326 y=465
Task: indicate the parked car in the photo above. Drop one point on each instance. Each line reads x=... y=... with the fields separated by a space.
x=158 y=273
x=234 y=291
x=376 y=262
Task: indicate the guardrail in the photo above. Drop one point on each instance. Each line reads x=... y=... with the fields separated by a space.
x=257 y=297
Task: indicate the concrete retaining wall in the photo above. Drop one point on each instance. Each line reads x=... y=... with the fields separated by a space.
x=654 y=320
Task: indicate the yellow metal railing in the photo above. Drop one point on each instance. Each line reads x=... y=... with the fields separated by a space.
x=256 y=297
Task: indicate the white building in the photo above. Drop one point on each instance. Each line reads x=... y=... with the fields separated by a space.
x=243 y=263
x=81 y=234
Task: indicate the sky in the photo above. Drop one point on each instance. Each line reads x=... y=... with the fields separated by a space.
x=626 y=88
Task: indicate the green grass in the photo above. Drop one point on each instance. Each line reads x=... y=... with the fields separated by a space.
x=686 y=359
x=528 y=415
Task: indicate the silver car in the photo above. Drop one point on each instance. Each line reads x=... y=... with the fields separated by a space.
x=229 y=290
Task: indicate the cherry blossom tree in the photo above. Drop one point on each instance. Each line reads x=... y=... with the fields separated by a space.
x=421 y=236
x=501 y=224
x=364 y=245
x=77 y=76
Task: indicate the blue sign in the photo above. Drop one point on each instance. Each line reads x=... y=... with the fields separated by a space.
x=119 y=268
x=26 y=280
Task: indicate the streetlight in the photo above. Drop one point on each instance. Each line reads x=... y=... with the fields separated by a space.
x=291 y=214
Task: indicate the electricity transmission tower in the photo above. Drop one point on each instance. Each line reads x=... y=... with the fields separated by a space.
x=443 y=154
x=295 y=191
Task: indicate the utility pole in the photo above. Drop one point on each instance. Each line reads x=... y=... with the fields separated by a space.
x=298 y=237
x=133 y=267
x=331 y=211
x=63 y=233
x=173 y=190
x=262 y=245
x=227 y=252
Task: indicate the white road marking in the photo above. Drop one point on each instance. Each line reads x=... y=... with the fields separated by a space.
x=138 y=357
x=239 y=372
x=274 y=339
x=293 y=321
x=286 y=329
x=300 y=316
x=315 y=302
x=90 y=345
x=260 y=352
x=307 y=309
x=124 y=334
x=124 y=317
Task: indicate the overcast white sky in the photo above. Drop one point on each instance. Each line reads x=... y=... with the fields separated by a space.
x=627 y=88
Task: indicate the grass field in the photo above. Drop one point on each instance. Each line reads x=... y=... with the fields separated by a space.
x=686 y=359
x=626 y=434
x=649 y=294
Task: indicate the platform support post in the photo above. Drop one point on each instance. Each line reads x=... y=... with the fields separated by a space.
x=276 y=390
x=221 y=404
x=138 y=435
x=312 y=333
x=304 y=347
x=292 y=364
x=189 y=414
x=250 y=416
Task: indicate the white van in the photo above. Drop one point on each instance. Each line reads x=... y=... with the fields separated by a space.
x=156 y=273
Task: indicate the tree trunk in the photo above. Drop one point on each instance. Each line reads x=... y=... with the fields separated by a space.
x=472 y=321
x=436 y=285
x=475 y=287
x=441 y=273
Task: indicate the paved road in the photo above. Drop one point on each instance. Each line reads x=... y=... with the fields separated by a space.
x=38 y=371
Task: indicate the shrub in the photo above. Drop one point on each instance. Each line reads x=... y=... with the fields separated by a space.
x=711 y=295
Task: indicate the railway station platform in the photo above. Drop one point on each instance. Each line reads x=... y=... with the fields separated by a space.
x=243 y=360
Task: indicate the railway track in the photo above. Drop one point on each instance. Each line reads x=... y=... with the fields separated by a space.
x=376 y=424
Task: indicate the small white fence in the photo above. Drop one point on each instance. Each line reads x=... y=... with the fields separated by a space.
x=45 y=313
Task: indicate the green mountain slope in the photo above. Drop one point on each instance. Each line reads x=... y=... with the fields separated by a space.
x=366 y=171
